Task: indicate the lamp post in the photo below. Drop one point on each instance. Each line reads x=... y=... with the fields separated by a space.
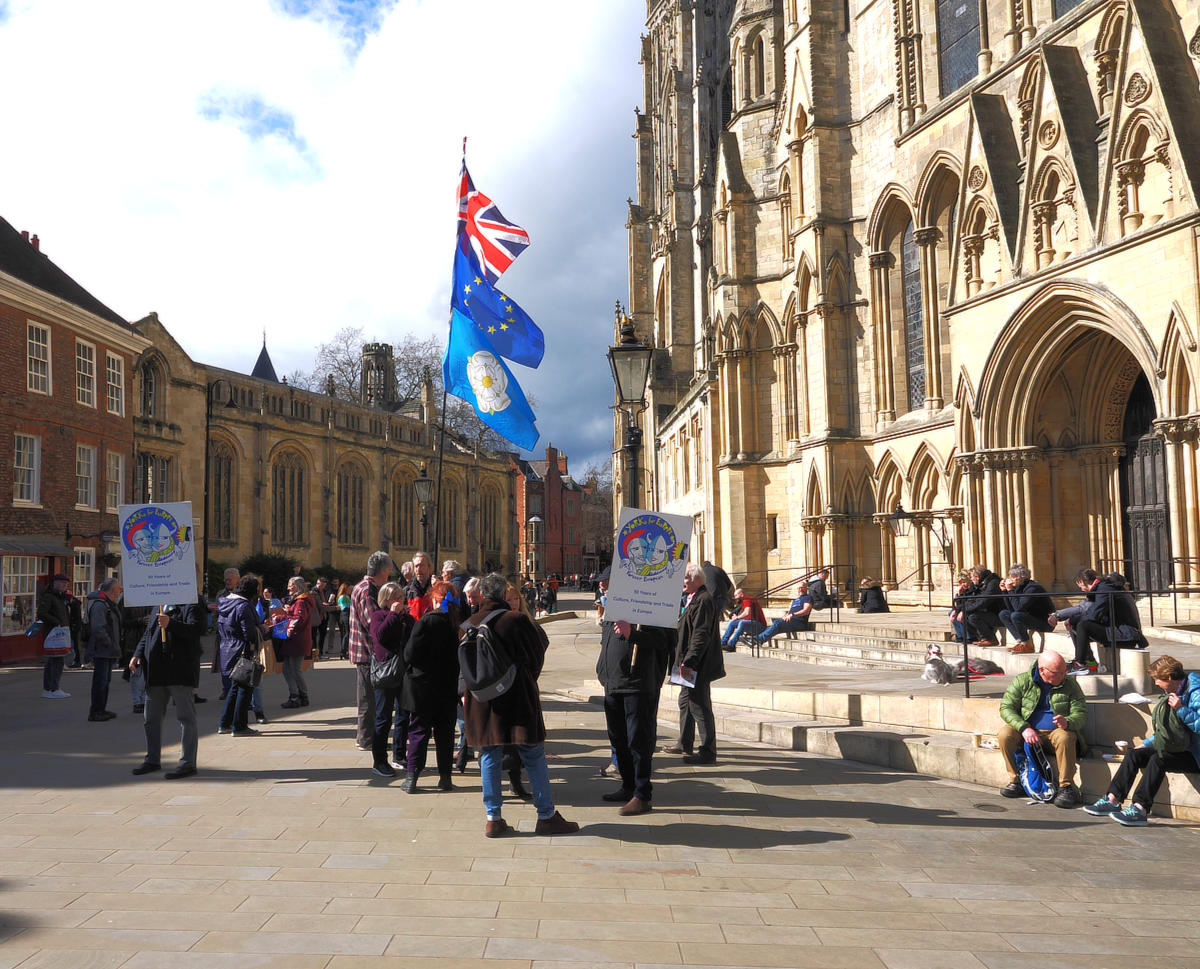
x=423 y=488
x=901 y=520
x=208 y=407
x=630 y=364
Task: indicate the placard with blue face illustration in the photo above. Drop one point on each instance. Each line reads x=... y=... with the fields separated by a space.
x=650 y=554
x=158 y=554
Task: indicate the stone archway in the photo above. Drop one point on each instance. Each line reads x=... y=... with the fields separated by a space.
x=1045 y=477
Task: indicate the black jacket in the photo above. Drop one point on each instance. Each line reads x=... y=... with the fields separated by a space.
x=819 y=594
x=698 y=645
x=615 y=667
x=104 y=627
x=984 y=595
x=1113 y=598
x=177 y=663
x=52 y=609
x=871 y=599
x=1031 y=599
x=431 y=668
x=719 y=586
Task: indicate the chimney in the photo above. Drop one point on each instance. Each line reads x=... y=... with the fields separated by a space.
x=25 y=234
x=36 y=244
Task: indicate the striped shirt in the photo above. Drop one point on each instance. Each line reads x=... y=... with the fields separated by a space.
x=362 y=604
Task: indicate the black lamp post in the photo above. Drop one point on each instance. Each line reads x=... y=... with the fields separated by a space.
x=423 y=488
x=900 y=520
x=630 y=363
x=208 y=407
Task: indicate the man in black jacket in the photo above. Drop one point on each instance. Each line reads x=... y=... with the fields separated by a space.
x=719 y=586
x=104 y=644
x=631 y=666
x=52 y=611
x=1027 y=608
x=170 y=649
x=697 y=653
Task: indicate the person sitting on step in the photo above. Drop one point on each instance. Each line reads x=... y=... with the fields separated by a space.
x=748 y=622
x=1027 y=607
x=981 y=604
x=796 y=619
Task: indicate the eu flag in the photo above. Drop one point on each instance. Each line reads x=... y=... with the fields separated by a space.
x=506 y=326
x=472 y=371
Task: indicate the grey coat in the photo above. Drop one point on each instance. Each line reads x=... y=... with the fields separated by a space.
x=104 y=627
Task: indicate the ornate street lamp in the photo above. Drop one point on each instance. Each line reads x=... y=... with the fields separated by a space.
x=630 y=363
x=423 y=489
x=208 y=408
x=900 y=520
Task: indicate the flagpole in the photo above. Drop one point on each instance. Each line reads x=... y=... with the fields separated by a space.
x=437 y=521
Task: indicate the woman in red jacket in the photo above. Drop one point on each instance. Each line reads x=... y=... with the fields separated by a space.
x=298 y=645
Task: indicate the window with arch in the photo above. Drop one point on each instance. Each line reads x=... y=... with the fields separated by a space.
x=758 y=68
x=221 y=491
x=152 y=402
x=153 y=478
x=1062 y=7
x=489 y=514
x=958 y=43
x=737 y=72
x=351 y=505
x=405 y=511
x=723 y=254
x=914 y=332
x=451 y=500
x=289 y=500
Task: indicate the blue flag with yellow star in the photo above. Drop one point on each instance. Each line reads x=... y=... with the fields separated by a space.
x=502 y=322
x=472 y=371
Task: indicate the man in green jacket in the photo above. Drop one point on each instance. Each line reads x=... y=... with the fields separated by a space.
x=1043 y=705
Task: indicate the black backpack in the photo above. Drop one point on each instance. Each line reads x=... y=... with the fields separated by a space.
x=487 y=668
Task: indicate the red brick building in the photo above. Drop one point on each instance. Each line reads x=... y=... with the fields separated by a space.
x=66 y=428
x=549 y=516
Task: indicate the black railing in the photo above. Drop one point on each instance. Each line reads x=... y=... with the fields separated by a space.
x=927 y=568
x=1190 y=567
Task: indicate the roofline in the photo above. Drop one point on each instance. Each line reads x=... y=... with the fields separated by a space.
x=31 y=299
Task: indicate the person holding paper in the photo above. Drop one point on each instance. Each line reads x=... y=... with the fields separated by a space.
x=697 y=654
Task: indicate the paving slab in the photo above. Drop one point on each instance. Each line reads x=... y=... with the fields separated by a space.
x=284 y=852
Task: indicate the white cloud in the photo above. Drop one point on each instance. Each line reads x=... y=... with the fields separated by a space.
x=235 y=167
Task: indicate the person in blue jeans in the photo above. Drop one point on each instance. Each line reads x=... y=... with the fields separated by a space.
x=749 y=621
x=796 y=619
x=513 y=718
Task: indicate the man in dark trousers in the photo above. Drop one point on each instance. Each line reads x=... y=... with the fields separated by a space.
x=52 y=610
x=632 y=664
x=104 y=644
x=169 y=654
x=697 y=653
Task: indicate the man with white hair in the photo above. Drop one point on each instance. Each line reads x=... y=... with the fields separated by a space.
x=362 y=604
x=698 y=654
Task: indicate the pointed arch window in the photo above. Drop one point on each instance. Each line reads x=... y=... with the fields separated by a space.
x=222 y=492
x=490 y=523
x=152 y=405
x=351 y=505
x=450 y=512
x=914 y=331
x=1063 y=7
x=289 y=500
x=759 y=68
x=405 y=512
x=785 y=215
x=958 y=43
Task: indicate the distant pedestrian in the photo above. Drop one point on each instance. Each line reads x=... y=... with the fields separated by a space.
x=104 y=644
x=52 y=611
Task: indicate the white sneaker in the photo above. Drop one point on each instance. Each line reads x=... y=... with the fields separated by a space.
x=48 y=695
x=58 y=695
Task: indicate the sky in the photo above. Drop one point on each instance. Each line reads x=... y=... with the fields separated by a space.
x=291 y=165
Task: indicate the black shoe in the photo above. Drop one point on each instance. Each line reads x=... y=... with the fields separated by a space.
x=139 y=708
x=303 y=699
x=178 y=772
x=445 y=783
x=246 y=732
x=1012 y=789
x=622 y=794
x=410 y=784
x=1067 y=796
x=197 y=698
x=224 y=730
x=146 y=769
x=221 y=698
x=700 y=759
x=102 y=716
x=292 y=703
x=260 y=716
x=464 y=754
x=384 y=770
x=518 y=789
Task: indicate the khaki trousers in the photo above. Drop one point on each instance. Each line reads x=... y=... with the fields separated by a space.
x=1063 y=742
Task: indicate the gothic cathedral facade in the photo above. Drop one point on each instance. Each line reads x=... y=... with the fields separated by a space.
x=935 y=254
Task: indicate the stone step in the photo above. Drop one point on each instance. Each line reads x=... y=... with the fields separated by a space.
x=926 y=735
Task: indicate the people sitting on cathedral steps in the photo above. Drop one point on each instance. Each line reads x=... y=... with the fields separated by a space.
x=818 y=588
x=981 y=605
x=1027 y=607
x=796 y=619
x=1107 y=610
x=749 y=621
x=1044 y=706
x=871 y=597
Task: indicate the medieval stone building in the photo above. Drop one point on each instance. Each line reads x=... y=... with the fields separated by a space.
x=319 y=479
x=933 y=253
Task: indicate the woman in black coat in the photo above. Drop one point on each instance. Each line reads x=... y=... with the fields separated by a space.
x=871 y=598
x=430 y=691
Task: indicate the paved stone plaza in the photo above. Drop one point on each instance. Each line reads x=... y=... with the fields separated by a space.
x=285 y=852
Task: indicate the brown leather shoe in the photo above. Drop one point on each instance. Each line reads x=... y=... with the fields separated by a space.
x=985 y=642
x=495 y=829
x=635 y=806
x=674 y=749
x=1022 y=648
x=555 y=824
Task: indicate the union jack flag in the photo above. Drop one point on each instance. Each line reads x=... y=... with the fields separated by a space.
x=495 y=241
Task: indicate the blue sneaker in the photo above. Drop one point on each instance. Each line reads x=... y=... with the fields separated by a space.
x=1132 y=817
x=1102 y=807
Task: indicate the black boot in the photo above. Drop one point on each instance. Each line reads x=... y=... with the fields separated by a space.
x=445 y=784
x=292 y=703
x=410 y=784
x=514 y=778
x=303 y=699
x=460 y=761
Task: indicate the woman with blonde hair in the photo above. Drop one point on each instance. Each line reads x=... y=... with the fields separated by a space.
x=297 y=646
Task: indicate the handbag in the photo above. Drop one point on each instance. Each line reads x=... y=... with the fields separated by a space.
x=247 y=672
x=57 y=642
x=1037 y=773
x=388 y=675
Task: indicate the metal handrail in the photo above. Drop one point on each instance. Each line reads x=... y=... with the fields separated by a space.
x=804 y=573
x=1173 y=590
x=925 y=568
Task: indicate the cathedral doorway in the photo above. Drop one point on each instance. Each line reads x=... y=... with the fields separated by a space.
x=1146 y=520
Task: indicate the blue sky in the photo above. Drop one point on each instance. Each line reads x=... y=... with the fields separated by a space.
x=291 y=165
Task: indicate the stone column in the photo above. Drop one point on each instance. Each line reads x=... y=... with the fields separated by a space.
x=729 y=391
x=881 y=321
x=745 y=386
x=887 y=551
x=920 y=539
x=927 y=238
x=1130 y=175
x=791 y=421
x=802 y=377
